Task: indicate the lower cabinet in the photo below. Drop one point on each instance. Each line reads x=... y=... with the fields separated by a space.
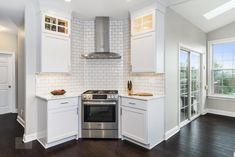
x=134 y=124
x=142 y=122
x=57 y=121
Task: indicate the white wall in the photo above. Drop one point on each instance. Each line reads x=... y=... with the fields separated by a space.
x=8 y=41
x=178 y=30
x=227 y=31
x=221 y=105
x=30 y=69
x=21 y=73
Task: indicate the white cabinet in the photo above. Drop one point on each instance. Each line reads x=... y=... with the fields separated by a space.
x=57 y=121
x=55 y=54
x=134 y=124
x=142 y=122
x=54 y=50
x=143 y=50
x=147 y=40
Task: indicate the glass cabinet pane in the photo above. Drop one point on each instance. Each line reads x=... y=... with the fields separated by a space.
x=63 y=23
x=148 y=22
x=137 y=29
x=138 y=21
x=148 y=18
x=49 y=19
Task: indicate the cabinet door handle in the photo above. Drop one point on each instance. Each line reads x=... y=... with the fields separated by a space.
x=131 y=103
x=64 y=103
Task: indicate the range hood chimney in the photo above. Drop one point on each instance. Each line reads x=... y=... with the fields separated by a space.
x=102 y=45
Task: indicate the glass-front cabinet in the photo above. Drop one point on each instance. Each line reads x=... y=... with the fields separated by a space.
x=55 y=24
x=54 y=53
x=143 y=23
x=147 y=40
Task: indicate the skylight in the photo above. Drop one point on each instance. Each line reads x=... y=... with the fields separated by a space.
x=220 y=10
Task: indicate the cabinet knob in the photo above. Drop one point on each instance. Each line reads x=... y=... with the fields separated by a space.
x=9 y=86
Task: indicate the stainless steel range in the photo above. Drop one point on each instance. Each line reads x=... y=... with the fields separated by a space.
x=100 y=114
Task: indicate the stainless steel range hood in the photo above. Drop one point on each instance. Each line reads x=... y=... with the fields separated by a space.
x=102 y=49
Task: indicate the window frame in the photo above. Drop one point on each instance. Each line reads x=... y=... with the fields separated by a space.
x=210 y=68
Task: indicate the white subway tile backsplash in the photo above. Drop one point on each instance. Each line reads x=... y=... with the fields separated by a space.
x=99 y=74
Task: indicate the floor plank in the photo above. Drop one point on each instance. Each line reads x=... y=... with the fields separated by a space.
x=207 y=136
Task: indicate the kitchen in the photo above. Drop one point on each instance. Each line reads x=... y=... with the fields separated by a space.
x=88 y=77
x=104 y=69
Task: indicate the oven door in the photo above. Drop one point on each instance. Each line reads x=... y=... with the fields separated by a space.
x=100 y=115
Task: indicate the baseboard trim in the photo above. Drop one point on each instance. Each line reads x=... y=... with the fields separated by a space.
x=20 y=121
x=172 y=132
x=29 y=138
x=221 y=112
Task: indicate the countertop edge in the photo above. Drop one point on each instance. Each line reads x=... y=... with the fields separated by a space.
x=145 y=98
x=51 y=97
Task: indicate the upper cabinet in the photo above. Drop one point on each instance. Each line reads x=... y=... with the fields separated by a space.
x=147 y=40
x=54 y=44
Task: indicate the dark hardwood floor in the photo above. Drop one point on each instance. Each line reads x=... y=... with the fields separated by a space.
x=207 y=136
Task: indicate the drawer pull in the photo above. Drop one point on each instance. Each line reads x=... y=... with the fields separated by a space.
x=131 y=103
x=64 y=103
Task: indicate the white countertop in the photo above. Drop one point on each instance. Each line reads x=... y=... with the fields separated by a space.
x=48 y=97
x=56 y=97
x=145 y=98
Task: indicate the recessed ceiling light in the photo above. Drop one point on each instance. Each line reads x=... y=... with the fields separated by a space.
x=2 y=28
x=220 y=10
x=67 y=0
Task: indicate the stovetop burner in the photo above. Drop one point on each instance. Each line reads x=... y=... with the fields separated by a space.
x=101 y=92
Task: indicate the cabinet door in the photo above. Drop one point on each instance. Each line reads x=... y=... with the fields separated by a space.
x=55 y=54
x=143 y=23
x=62 y=123
x=134 y=124
x=143 y=53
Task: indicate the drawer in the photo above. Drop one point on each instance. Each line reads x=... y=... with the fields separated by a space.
x=134 y=103
x=62 y=103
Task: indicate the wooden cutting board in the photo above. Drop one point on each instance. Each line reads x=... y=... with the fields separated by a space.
x=142 y=94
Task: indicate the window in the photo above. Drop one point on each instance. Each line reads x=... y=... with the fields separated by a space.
x=223 y=68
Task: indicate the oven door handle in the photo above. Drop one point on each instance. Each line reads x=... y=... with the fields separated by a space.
x=99 y=103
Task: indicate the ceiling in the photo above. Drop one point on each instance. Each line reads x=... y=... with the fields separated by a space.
x=12 y=11
x=11 y=14
x=114 y=8
x=193 y=10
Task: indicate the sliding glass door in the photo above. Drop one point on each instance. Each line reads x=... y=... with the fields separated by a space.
x=190 y=85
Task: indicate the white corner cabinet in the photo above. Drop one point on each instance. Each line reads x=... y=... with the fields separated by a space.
x=142 y=121
x=54 y=50
x=57 y=121
x=147 y=40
